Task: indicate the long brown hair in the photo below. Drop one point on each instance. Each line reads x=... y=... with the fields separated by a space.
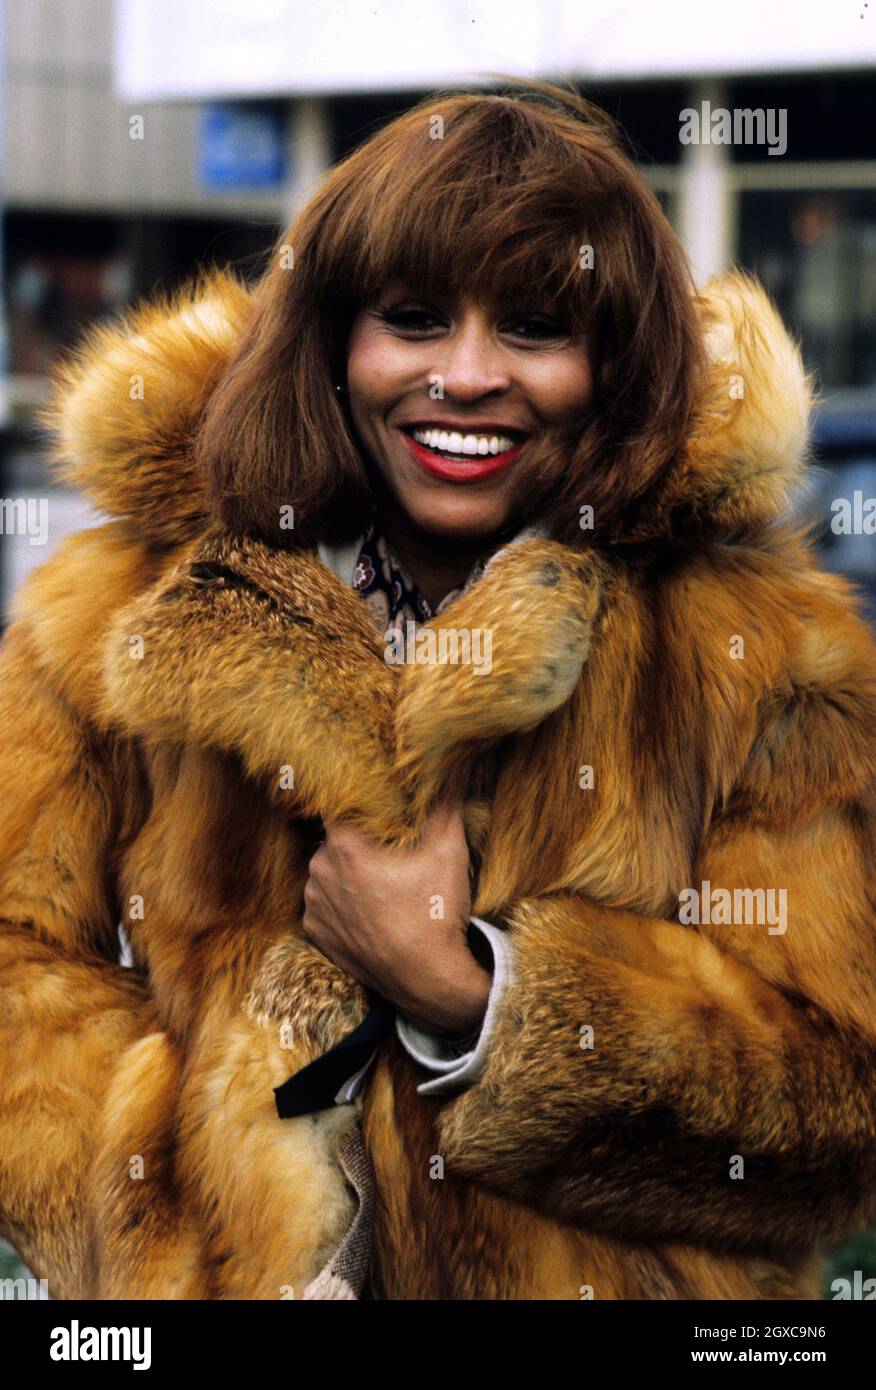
x=493 y=194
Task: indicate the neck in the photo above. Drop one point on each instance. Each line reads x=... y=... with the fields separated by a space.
x=435 y=565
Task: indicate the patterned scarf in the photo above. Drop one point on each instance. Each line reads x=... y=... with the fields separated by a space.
x=387 y=588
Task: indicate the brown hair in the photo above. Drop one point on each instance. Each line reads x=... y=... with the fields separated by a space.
x=493 y=194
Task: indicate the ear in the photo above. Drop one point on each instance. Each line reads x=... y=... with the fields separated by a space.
x=529 y=618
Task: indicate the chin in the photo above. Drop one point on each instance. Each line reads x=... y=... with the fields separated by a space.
x=459 y=519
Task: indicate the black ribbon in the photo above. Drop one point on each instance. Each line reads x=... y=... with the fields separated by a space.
x=316 y=1085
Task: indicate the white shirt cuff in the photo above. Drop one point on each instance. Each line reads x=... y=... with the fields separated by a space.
x=441 y=1055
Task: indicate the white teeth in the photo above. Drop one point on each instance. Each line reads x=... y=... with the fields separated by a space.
x=453 y=442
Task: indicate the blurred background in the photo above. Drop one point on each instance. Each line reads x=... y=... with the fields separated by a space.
x=142 y=139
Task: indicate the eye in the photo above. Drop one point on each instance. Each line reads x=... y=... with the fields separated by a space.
x=535 y=327
x=410 y=318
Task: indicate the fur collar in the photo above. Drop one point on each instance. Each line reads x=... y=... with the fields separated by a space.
x=133 y=457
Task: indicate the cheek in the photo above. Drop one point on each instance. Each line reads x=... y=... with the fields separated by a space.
x=378 y=372
x=562 y=390
x=364 y=379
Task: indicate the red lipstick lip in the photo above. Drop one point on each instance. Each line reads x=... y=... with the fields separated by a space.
x=475 y=468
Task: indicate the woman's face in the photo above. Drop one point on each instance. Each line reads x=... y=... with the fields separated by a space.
x=445 y=396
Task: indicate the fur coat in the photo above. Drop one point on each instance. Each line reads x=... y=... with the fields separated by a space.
x=675 y=1104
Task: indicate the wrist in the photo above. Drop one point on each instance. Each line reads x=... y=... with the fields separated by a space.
x=457 y=1011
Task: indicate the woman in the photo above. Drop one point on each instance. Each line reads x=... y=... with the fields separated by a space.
x=475 y=755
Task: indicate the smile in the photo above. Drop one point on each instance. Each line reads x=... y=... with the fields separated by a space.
x=459 y=457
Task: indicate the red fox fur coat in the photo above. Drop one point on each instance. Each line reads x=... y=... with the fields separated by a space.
x=158 y=677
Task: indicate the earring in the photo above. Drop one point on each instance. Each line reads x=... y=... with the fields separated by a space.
x=341 y=390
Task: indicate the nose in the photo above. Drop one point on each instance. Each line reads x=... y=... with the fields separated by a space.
x=473 y=363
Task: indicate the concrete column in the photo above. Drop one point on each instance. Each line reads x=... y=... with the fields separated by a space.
x=310 y=151
x=706 y=202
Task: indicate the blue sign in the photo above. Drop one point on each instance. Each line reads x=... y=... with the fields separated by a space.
x=242 y=145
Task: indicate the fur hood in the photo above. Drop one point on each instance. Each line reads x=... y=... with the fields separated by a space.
x=132 y=452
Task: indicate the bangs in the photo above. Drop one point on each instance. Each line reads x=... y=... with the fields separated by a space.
x=495 y=208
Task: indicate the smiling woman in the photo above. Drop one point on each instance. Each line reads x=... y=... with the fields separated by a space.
x=417 y=1008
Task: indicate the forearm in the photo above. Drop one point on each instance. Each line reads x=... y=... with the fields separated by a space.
x=88 y=1080
x=64 y=1024
x=695 y=1062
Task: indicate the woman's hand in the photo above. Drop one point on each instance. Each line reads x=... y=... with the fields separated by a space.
x=395 y=919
